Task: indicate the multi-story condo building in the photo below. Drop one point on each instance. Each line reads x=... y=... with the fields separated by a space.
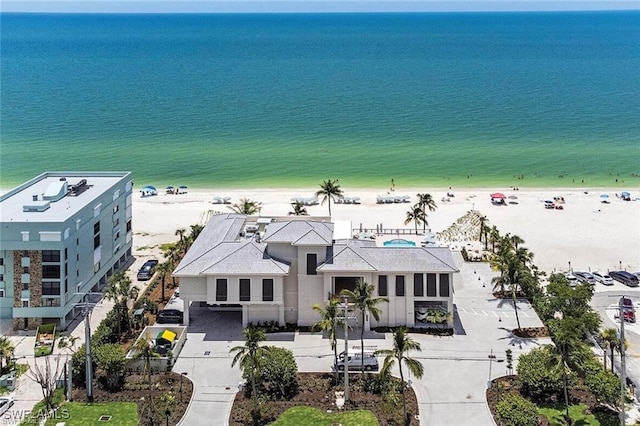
x=291 y=264
x=62 y=234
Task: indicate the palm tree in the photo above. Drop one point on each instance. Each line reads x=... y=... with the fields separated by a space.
x=483 y=230
x=415 y=215
x=6 y=351
x=329 y=190
x=181 y=233
x=246 y=206
x=362 y=298
x=329 y=323
x=120 y=290
x=610 y=335
x=427 y=202
x=195 y=232
x=298 y=209
x=163 y=269
x=516 y=240
x=402 y=344
x=144 y=350
x=248 y=358
x=494 y=237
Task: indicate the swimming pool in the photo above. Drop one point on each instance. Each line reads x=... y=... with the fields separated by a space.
x=399 y=243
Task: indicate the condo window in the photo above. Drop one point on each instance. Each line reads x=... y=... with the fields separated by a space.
x=444 y=285
x=1 y=292
x=1 y=261
x=25 y=286
x=431 y=285
x=50 y=271
x=96 y=228
x=50 y=288
x=116 y=208
x=267 y=289
x=50 y=301
x=312 y=263
x=221 y=290
x=245 y=289
x=96 y=241
x=25 y=253
x=1 y=277
x=25 y=304
x=400 y=285
x=129 y=226
x=50 y=256
x=418 y=285
x=383 y=288
x=25 y=269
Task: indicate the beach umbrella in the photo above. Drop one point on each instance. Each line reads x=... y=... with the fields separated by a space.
x=604 y=195
x=548 y=202
x=183 y=187
x=513 y=197
x=149 y=188
x=169 y=187
x=625 y=194
x=498 y=195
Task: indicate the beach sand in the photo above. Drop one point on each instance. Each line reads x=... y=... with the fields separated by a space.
x=585 y=235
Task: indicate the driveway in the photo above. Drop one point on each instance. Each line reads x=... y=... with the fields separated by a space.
x=457 y=368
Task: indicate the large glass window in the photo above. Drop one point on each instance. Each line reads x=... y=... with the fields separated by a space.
x=51 y=288
x=221 y=290
x=431 y=285
x=50 y=256
x=383 y=286
x=444 y=285
x=245 y=289
x=267 y=289
x=399 y=285
x=50 y=271
x=418 y=285
x=312 y=263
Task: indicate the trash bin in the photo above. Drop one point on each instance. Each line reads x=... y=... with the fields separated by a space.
x=11 y=383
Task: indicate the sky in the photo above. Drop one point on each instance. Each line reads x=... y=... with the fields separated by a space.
x=308 y=6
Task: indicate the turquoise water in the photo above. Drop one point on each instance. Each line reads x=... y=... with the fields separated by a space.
x=489 y=99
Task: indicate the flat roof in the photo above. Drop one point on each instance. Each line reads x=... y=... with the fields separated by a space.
x=13 y=202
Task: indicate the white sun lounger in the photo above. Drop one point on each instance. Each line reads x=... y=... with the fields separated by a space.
x=226 y=200
x=217 y=200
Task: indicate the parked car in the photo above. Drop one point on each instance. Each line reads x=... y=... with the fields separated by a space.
x=573 y=280
x=147 y=270
x=629 y=311
x=169 y=316
x=5 y=403
x=625 y=278
x=603 y=278
x=354 y=361
x=585 y=277
x=421 y=313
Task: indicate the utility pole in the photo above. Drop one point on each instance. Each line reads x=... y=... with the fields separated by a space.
x=86 y=312
x=623 y=366
x=345 y=301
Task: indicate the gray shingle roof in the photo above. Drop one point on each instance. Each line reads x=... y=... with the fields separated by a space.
x=300 y=232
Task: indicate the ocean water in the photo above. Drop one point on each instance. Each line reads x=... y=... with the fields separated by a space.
x=524 y=99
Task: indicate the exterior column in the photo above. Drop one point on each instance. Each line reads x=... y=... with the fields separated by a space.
x=245 y=316
x=281 y=315
x=185 y=314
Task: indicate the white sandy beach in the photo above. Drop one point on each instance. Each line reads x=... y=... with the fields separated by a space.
x=587 y=233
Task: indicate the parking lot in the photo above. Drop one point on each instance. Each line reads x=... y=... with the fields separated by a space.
x=451 y=392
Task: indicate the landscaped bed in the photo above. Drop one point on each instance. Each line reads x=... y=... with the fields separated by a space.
x=318 y=390
x=298 y=416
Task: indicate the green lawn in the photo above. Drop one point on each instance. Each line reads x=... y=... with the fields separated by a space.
x=80 y=413
x=302 y=416
x=555 y=415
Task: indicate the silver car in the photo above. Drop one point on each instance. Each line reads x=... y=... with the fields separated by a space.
x=603 y=278
x=585 y=277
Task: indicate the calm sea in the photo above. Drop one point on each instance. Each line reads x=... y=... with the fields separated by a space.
x=488 y=99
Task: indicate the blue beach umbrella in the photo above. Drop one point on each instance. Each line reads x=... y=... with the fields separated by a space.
x=149 y=188
x=183 y=187
x=625 y=194
x=604 y=195
x=169 y=187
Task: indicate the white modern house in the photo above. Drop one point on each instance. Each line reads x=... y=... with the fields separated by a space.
x=293 y=263
x=61 y=234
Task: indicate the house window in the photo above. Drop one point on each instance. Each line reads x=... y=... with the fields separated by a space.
x=245 y=289
x=50 y=256
x=418 y=285
x=444 y=285
x=25 y=286
x=383 y=288
x=312 y=263
x=50 y=271
x=25 y=269
x=267 y=289
x=431 y=285
x=399 y=285
x=25 y=303
x=221 y=290
x=51 y=288
x=1 y=292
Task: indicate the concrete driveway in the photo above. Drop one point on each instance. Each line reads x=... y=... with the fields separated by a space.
x=457 y=368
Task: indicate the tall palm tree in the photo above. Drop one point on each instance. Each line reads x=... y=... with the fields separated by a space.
x=362 y=298
x=298 y=209
x=415 y=214
x=427 y=202
x=144 y=350
x=195 y=232
x=329 y=323
x=610 y=335
x=494 y=237
x=246 y=206
x=516 y=241
x=181 y=233
x=329 y=190
x=163 y=269
x=483 y=230
x=402 y=344
x=248 y=358
x=120 y=289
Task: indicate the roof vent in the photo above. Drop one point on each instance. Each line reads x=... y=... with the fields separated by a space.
x=78 y=188
x=35 y=197
x=55 y=191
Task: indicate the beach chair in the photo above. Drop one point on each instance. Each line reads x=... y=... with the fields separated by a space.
x=355 y=200
x=379 y=199
x=217 y=200
x=226 y=200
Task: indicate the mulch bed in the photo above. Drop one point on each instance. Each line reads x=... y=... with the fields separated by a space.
x=318 y=390
x=136 y=390
x=531 y=332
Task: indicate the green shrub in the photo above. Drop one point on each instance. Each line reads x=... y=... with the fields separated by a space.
x=514 y=410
